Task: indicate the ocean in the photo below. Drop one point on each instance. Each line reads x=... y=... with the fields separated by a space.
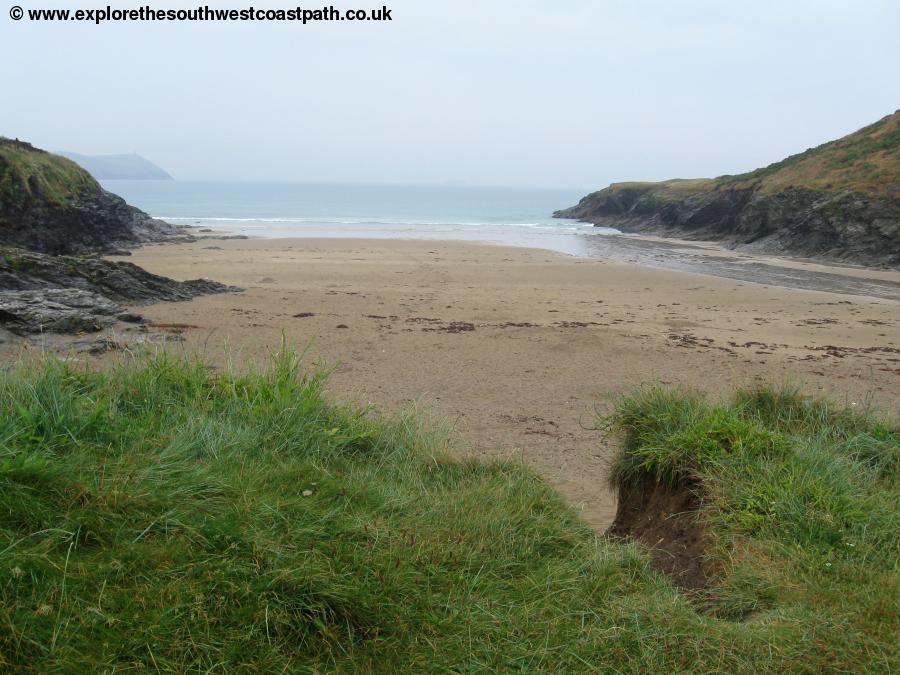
x=514 y=216
x=522 y=217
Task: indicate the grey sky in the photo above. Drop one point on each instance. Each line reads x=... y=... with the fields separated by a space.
x=557 y=93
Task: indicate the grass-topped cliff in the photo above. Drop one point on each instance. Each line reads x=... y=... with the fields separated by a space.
x=840 y=201
x=162 y=516
x=50 y=204
x=50 y=208
x=28 y=174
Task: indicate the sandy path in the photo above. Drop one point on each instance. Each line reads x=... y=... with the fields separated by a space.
x=519 y=347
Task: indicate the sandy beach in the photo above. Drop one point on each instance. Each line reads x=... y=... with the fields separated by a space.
x=520 y=348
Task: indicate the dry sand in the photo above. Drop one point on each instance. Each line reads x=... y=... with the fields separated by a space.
x=519 y=347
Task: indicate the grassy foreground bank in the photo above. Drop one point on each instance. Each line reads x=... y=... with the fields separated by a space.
x=163 y=516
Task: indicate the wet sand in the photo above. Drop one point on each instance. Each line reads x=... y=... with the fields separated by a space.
x=711 y=259
x=519 y=348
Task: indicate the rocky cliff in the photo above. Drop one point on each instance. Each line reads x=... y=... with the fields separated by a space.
x=50 y=208
x=50 y=204
x=838 y=202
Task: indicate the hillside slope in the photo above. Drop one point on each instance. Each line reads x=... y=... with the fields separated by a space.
x=839 y=201
x=118 y=167
x=50 y=204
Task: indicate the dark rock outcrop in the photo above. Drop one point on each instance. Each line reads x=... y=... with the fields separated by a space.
x=50 y=204
x=119 y=281
x=844 y=227
x=59 y=310
x=92 y=222
x=70 y=294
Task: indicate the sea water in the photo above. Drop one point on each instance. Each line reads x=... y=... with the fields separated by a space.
x=517 y=216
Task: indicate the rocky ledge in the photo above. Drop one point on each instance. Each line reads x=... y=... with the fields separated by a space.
x=837 y=227
x=59 y=310
x=94 y=222
x=40 y=293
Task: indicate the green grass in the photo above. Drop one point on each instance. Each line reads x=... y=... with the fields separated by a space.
x=800 y=499
x=866 y=161
x=163 y=516
x=27 y=173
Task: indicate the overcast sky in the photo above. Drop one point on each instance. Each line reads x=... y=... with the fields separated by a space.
x=556 y=93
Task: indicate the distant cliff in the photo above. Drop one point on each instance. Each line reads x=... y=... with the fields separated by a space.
x=839 y=201
x=50 y=204
x=118 y=167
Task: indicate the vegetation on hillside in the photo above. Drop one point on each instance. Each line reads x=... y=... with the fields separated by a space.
x=165 y=516
x=866 y=161
x=27 y=172
x=836 y=202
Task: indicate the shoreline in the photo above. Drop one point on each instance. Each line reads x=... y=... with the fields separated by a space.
x=520 y=347
x=706 y=258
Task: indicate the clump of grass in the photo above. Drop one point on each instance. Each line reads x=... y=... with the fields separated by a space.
x=799 y=499
x=854 y=432
x=161 y=515
x=675 y=437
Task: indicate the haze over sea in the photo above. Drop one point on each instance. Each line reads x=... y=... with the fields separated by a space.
x=516 y=216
